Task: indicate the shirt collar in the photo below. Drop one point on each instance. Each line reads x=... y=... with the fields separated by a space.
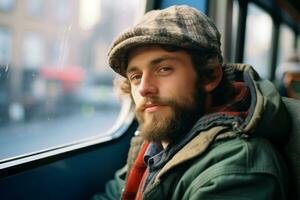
x=152 y=150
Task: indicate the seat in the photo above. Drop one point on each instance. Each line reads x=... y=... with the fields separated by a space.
x=292 y=147
x=292 y=84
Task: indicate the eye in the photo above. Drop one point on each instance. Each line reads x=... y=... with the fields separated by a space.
x=165 y=69
x=135 y=77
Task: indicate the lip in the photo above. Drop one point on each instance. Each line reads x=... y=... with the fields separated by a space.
x=152 y=107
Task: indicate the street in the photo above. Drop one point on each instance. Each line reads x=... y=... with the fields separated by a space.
x=22 y=138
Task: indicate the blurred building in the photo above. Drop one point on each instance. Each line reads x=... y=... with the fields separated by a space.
x=35 y=33
x=49 y=48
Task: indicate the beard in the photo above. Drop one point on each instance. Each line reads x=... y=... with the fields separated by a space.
x=176 y=122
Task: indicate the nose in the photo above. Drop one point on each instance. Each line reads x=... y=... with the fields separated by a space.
x=147 y=86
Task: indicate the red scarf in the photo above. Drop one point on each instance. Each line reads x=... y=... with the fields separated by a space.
x=137 y=173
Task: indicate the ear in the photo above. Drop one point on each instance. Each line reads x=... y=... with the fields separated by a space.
x=210 y=85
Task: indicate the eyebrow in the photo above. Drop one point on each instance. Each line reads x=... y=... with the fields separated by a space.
x=152 y=63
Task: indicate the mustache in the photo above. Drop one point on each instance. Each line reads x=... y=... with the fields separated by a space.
x=154 y=100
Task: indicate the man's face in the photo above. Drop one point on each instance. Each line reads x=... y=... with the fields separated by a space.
x=163 y=87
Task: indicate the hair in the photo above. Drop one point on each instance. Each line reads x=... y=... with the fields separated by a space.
x=204 y=61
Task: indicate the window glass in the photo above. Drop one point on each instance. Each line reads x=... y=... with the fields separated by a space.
x=60 y=88
x=5 y=56
x=286 y=43
x=35 y=8
x=258 y=40
x=33 y=51
x=5 y=46
x=235 y=17
x=62 y=10
x=298 y=45
x=201 y=5
x=7 y=5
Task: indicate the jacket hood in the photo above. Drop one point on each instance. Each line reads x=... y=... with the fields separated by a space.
x=268 y=116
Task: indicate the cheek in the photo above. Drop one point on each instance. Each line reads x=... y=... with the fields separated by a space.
x=185 y=93
x=135 y=95
x=187 y=98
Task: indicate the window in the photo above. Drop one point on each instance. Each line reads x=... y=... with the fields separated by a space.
x=286 y=44
x=298 y=44
x=61 y=10
x=285 y=49
x=7 y=5
x=61 y=89
x=35 y=8
x=33 y=51
x=5 y=47
x=5 y=64
x=200 y=5
x=258 y=40
x=235 y=17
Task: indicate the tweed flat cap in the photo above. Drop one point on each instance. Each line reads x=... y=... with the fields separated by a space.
x=181 y=26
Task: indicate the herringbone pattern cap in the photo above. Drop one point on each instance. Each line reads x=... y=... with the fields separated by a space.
x=181 y=26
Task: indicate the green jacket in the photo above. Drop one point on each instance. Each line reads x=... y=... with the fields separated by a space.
x=226 y=162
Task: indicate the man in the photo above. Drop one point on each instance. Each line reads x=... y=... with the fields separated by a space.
x=206 y=129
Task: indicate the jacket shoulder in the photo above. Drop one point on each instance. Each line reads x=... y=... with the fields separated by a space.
x=234 y=162
x=252 y=155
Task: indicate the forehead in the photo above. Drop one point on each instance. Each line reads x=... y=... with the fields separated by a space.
x=155 y=53
x=141 y=49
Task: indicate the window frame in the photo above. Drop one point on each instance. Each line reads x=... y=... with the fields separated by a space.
x=124 y=121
